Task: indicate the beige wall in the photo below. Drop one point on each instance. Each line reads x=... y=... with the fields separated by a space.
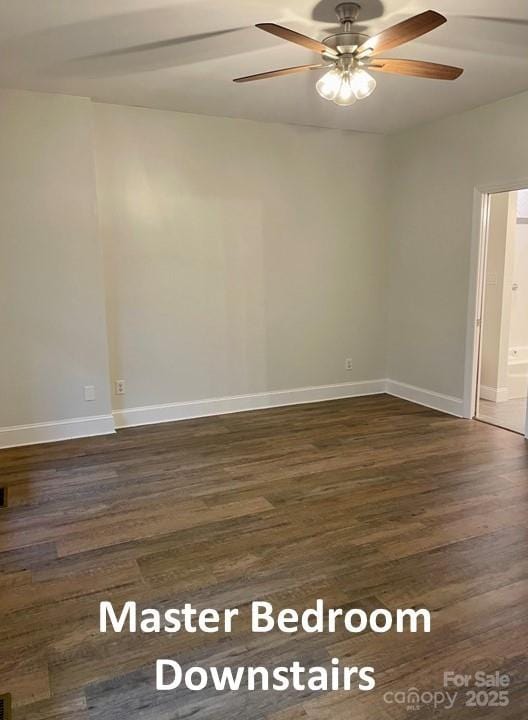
x=434 y=170
x=240 y=257
x=52 y=322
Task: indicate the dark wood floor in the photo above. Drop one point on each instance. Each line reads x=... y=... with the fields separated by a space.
x=371 y=502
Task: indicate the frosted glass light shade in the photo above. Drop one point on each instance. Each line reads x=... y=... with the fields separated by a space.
x=345 y=95
x=363 y=84
x=328 y=86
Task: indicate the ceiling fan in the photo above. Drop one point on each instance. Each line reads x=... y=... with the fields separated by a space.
x=350 y=54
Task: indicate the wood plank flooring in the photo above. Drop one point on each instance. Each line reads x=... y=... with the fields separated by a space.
x=370 y=502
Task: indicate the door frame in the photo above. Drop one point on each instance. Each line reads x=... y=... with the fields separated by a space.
x=479 y=242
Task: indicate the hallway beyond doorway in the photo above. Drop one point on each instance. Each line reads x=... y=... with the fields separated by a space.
x=509 y=414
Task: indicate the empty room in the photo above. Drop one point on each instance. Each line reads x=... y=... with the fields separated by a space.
x=263 y=386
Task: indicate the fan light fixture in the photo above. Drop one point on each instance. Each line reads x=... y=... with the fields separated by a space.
x=350 y=54
x=345 y=86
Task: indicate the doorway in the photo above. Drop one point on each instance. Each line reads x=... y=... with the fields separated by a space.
x=501 y=396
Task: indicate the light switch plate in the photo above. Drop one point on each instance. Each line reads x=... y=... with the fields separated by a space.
x=89 y=393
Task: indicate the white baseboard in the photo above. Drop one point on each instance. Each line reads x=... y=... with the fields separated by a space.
x=170 y=412
x=445 y=403
x=53 y=431
x=494 y=394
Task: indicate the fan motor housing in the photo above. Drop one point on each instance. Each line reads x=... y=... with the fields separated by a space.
x=347 y=12
x=345 y=43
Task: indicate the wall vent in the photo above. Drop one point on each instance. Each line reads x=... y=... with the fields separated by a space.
x=5 y=707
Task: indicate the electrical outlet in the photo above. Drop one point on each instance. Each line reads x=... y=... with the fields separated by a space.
x=120 y=387
x=349 y=364
x=89 y=393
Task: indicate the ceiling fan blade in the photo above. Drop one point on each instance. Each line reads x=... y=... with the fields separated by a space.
x=278 y=73
x=297 y=38
x=402 y=32
x=417 y=68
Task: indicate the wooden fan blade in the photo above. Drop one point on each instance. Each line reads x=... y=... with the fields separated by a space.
x=402 y=32
x=416 y=68
x=297 y=38
x=277 y=73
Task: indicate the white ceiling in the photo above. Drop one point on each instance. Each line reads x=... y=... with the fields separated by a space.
x=191 y=49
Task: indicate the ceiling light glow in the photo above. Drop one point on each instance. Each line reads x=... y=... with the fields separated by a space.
x=345 y=86
x=328 y=86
